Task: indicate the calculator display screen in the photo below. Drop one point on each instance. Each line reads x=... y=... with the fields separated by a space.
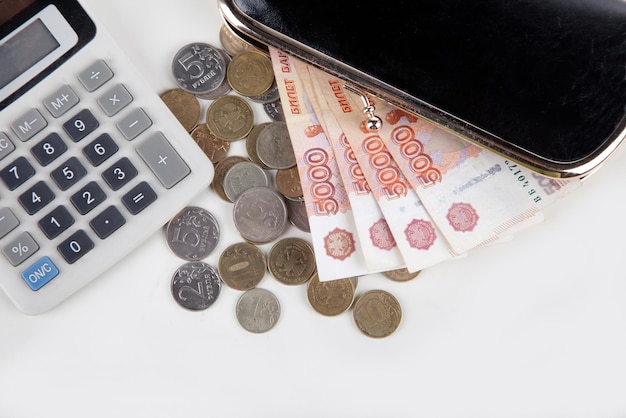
x=24 y=50
x=35 y=38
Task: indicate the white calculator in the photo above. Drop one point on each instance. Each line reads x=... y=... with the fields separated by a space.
x=92 y=162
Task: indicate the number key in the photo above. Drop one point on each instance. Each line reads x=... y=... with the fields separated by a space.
x=120 y=173
x=69 y=173
x=35 y=198
x=81 y=125
x=49 y=149
x=16 y=173
x=56 y=222
x=100 y=149
x=88 y=197
x=76 y=246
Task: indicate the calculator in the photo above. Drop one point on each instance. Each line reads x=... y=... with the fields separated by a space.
x=92 y=162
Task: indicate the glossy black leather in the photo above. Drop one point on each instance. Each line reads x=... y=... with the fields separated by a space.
x=546 y=75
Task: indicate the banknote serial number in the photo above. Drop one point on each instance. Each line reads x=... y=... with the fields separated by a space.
x=519 y=174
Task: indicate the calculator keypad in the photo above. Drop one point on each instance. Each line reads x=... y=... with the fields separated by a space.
x=107 y=195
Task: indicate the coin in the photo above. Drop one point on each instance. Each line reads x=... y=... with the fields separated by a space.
x=220 y=172
x=291 y=261
x=199 y=68
x=196 y=285
x=296 y=212
x=401 y=275
x=260 y=215
x=243 y=176
x=274 y=147
x=242 y=266
x=232 y=43
x=331 y=297
x=271 y=95
x=185 y=107
x=377 y=313
x=257 y=310
x=274 y=110
x=230 y=118
x=288 y=183
x=250 y=73
x=213 y=147
x=223 y=88
x=251 y=144
x=193 y=233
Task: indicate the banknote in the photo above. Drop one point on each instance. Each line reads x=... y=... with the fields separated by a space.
x=379 y=246
x=475 y=196
x=418 y=237
x=334 y=237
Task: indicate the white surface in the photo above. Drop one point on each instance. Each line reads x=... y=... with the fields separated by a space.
x=535 y=327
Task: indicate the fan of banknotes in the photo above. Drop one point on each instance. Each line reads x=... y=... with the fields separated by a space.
x=407 y=195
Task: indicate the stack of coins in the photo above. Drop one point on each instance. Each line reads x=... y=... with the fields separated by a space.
x=266 y=195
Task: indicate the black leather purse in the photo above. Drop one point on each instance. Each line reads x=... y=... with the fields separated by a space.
x=539 y=81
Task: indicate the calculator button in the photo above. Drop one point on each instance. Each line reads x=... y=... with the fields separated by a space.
x=76 y=246
x=69 y=173
x=8 y=221
x=6 y=145
x=134 y=123
x=81 y=125
x=120 y=173
x=114 y=100
x=16 y=173
x=35 y=198
x=57 y=221
x=88 y=197
x=49 y=149
x=100 y=149
x=139 y=198
x=109 y=221
x=95 y=75
x=163 y=160
x=20 y=248
x=61 y=101
x=40 y=273
x=29 y=124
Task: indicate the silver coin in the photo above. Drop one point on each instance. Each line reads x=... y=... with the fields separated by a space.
x=243 y=176
x=192 y=234
x=258 y=310
x=222 y=89
x=269 y=96
x=196 y=285
x=199 y=68
x=260 y=215
x=274 y=110
x=274 y=148
x=296 y=210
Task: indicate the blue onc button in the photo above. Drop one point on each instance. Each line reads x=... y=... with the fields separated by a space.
x=40 y=273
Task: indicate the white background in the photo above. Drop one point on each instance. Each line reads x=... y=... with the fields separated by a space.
x=535 y=327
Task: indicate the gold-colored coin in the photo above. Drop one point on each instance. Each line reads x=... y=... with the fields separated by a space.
x=377 y=313
x=213 y=147
x=291 y=261
x=220 y=172
x=232 y=43
x=250 y=73
x=242 y=266
x=251 y=144
x=331 y=297
x=230 y=118
x=288 y=182
x=401 y=275
x=185 y=107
